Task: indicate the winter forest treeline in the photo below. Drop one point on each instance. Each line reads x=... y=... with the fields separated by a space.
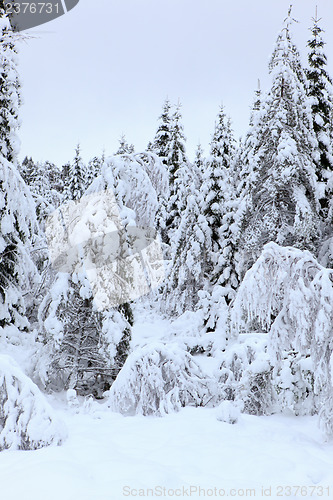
x=246 y=233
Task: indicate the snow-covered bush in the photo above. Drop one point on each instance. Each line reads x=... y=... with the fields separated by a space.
x=159 y=379
x=291 y=296
x=215 y=314
x=246 y=375
x=256 y=388
x=294 y=385
x=27 y=421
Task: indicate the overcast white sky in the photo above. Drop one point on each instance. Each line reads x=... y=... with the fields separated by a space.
x=106 y=67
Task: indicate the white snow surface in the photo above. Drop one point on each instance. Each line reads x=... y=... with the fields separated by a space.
x=105 y=452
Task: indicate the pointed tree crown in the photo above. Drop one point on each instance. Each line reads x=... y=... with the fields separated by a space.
x=223 y=142
x=320 y=91
x=160 y=145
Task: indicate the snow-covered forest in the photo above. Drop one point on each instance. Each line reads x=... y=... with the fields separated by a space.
x=144 y=282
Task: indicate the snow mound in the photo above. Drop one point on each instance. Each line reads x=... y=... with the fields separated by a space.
x=159 y=379
x=228 y=412
x=27 y=421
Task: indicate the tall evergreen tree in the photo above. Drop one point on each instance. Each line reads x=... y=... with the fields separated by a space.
x=283 y=205
x=186 y=278
x=85 y=348
x=160 y=146
x=180 y=176
x=223 y=142
x=321 y=94
x=75 y=182
x=64 y=179
x=217 y=203
x=161 y=143
x=17 y=210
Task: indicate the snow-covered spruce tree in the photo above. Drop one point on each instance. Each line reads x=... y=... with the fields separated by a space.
x=321 y=93
x=180 y=178
x=283 y=205
x=162 y=140
x=78 y=353
x=75 y=181
x=86 y=344
x=46 y=187
x=186 y=276
x=218 y=206
x=17 y=210
x=124 y=147
x=223 y=142
x=160 y=146
x=93 y=170
x=289 y=295
x=26 y=420
x=137 y=182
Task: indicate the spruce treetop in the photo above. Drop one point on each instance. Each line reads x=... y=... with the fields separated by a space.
x=320 y=91
x=223 y=142
x=163 y=135
x=124 y=147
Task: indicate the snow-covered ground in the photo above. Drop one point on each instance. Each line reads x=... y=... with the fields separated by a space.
x=109 y=457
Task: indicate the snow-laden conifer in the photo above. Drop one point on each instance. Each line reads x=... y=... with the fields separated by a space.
x=85 y=317
x=75 y=182
x=17 y=210
x=187 y=273
x=180 y=179
x=321 y=93
x=162 y=140
x=218 y=204
x=283 y=202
